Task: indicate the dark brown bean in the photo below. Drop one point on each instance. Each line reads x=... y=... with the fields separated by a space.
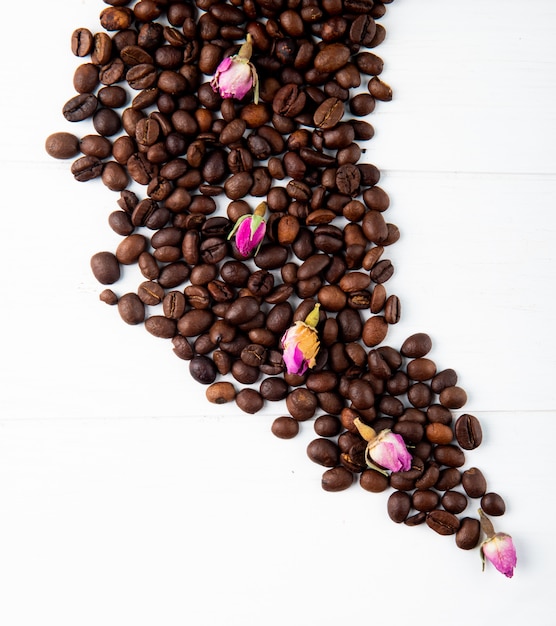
x=468 y=533
x=468 y=431
x=443 y=522
x=493 y=504
x=474 y=483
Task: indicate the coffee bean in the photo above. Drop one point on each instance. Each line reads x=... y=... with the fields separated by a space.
x=285 y=427
x=424 y=499
x=450 y=455
x=161 y=326
x=80 y=107
x=416 y=346
x=62 y=145
x=331 y=57
x=453 y=397
x=336 y=479
x=468 y=533
x=220 y=392
x=86 y=168
x=202 y=369
x=105 y=267
x=449 y=478
x=373 y=481
x=273 y=388
x=327 y=426
x=474 y=483
x=443 y=522
x=445 y=378
x=131 y=309
x=301 y=404
x=81 y=42
x=454 y=501
x=439 y=433
x=398 y=505
x=468 y=431
x=108 y=297
x=328 y=113
x=493 y=504
x=324 y=452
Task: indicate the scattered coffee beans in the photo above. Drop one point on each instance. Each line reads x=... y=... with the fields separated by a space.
x=188 y=164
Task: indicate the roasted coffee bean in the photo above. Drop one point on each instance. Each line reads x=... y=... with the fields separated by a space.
x=398 y=506
x=161 y=326
x=379 y=89
x=429 y=477
x=424 y=499
x=453 y=397
x=327 y=426
x=195 y=322
x=150 y=293
x=273 y=388
x=301 y=404
x=336 y=479
x=474 y=483
x=374 y=330
x=202 y=369
x=108 y=297
x=328 y=113
x=439 y=433
x=62 y=145
x=81 y=42
x=105 y=267
x=131 y=309
x=249 y=400
x=468 y=431
x=445 y=378
x=242 y=310
x=412 y=432
x=493 y=504
x=130 y=248
x=80 y=107
x=443 y=522
x=289 y=100
x=437 y=413
x=96 y=146
x=285 y=427
x=421 y=369
x=86 y=168
x=373 y=481
x=331 y=57
x=454 y=501
x=416 y=346
x=324 y=452
x=449 y=455
x=448 y=479
x=182 y=348
x=468 y=533
x=416 y=519
x=174 y=304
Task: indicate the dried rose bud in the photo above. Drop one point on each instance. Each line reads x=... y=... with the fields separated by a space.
x=498 y=548
x=235 y=75
x=249 y=231
x=301 y=344
x=386 y=449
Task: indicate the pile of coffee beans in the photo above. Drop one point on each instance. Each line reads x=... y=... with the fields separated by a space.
x=187 y=164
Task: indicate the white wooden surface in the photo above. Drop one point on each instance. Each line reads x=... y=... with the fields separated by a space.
x=125 y=498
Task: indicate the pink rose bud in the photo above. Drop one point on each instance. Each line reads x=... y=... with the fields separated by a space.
x=249 y=231
x=235 y=75
x=498 y=548
x=387 y=450
x=301 y=344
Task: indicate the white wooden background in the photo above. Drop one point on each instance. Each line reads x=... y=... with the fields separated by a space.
x=125 y=498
